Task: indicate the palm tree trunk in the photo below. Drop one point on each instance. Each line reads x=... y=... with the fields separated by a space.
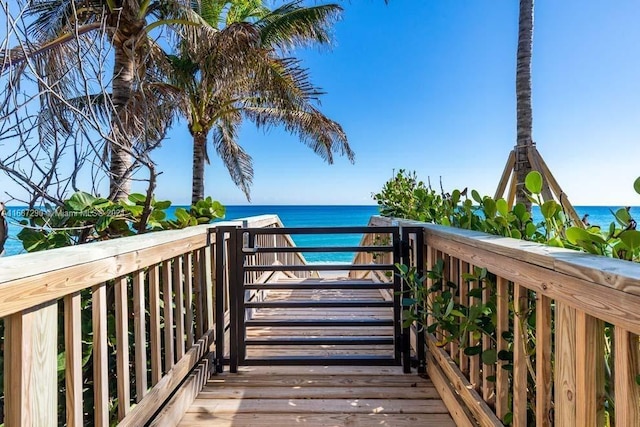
x=199 y=157
x=120 y=149
x=523 y=99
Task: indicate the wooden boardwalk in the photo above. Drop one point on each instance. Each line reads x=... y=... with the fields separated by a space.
x=319 y=396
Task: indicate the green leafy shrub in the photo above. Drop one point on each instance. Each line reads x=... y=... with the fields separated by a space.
x=85 y=218
x=452 y=321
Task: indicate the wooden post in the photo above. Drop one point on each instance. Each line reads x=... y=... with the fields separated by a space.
x=100 y=356
x=178 y=288
x=122 y=347
x=543 y=362
x=154 y=324
x=565 y=366
x=506 y=173
x=140 y=335
x=167 y=299
x=208 y=283
x=627 y=391
x=502 y=377
x=590 y=376
x=520 y=333
x=30 y=366
x=73 y=362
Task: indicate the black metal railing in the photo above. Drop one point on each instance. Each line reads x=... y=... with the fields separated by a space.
x=249 y=271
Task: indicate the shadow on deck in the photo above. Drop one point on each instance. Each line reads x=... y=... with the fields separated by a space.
x=320 y=395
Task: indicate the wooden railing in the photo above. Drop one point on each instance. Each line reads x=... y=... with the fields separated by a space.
x=107 y=331
x=571 y=321
x=373 y=257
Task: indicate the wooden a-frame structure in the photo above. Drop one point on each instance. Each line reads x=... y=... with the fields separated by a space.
x=551 y=190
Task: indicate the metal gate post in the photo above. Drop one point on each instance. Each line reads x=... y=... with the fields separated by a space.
x=221 y=278
x=240 y=293
x=233 y=301
x=406 y=329
x=421 y=341
x=397 y=297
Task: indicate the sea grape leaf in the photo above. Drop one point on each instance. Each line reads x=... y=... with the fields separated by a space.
x=533 y=182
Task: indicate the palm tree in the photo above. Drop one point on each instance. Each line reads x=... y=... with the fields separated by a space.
x=58 y=23
x=240 y=73
x=524 y=140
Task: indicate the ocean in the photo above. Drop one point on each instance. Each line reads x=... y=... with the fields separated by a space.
x=328 y=216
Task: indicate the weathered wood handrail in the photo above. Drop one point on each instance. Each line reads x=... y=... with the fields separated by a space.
x=145 y=301
x=573 y=295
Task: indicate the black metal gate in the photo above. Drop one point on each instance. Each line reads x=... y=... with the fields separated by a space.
x=251 y=254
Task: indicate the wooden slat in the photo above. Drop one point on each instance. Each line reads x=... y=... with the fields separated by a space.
x=474 y=361
x=317 y=406
x=502 y=325
x=589 y=370
x=430 y=254
x=167 y=297
x=511 y=197
x=544 y=375
x=139 y=334
x=274 y=391
x=197 y=292
x=454 y=276
x=174 y=410
x=154 y=324
x=297 y=377
x=30 y=366
x=160 y=392
x=320 y=420
x=122 y=346
x=506 y=173
x=627 y=392
x=188 y=297
x=565 y=366
x=457 y=410
x=488 y=371
x=474 y=403
x=178 y=288
x=209 y=262
x=100 y=356
x=521 y=305
x=73 y=359
x=463 y=363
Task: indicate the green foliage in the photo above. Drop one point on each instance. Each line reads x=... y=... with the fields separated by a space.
x=85 y=218
x=453 y=321
x=404 y=196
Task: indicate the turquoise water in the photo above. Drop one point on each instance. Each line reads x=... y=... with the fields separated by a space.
x=325 y=216
x=291 y=216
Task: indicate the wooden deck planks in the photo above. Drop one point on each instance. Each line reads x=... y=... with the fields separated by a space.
x=317 y=396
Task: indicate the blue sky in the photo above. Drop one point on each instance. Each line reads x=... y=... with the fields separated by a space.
x=429 y=86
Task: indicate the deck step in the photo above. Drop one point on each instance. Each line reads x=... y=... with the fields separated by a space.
x=307 y=323
x=320 y=340
x=319 y=267
x=315 y=249
x=355 y=360
x=328 y=285
x=319 y=304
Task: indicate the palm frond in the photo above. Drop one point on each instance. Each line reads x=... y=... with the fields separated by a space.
x=295 y=25
x=236 y=160
x=323 y=135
